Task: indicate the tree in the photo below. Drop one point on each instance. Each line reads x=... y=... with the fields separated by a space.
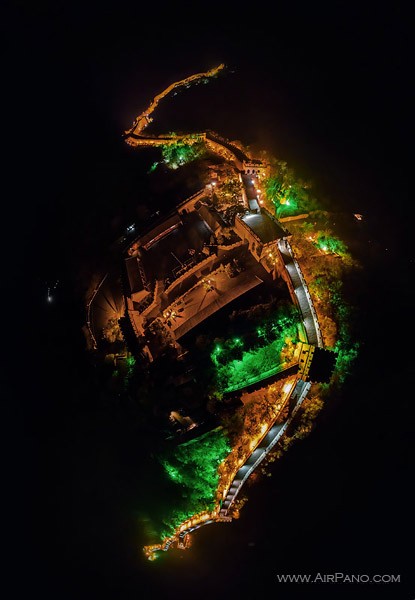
x=193 y=468
x=329 y=330
x=182 y=151
x=228 y=193
x=112 y=332
x=289 y=195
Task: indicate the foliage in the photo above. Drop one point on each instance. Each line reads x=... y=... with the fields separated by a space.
x=182 y=151
x=289 y=195
x=161 y=333
x=330 y=243
x=112 y=332
x=228 y=193
x=310 y=409
x=153 y=167
x=194 y=468
x=324 y=271
x=237 y=366
x=347 y=349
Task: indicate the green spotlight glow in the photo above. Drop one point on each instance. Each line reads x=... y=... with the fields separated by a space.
x=193 y=466
x=182 y=151
x=238 y=367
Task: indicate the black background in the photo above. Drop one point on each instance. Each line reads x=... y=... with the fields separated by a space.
x=331 y=87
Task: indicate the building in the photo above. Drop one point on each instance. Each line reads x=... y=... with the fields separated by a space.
x=211 y=217
x=255 y=167
x=261 y=231
x=138 y=284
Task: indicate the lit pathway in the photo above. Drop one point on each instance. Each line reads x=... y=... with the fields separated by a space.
x=268 y=442
x=144 y=119
x=198 y=308
x=303 y=296
x=274 y=434
x=237 y=152
x=298 y=393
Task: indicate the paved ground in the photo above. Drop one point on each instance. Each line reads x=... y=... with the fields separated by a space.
x=207 y=297
x=302 y=294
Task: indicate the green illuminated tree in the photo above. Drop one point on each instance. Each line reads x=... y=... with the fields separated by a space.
x=289 y=195
x=182 y=151
x=193 y=467
x=237 y=365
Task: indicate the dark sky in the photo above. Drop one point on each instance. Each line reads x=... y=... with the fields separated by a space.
x=330 y=85
x=340 y=74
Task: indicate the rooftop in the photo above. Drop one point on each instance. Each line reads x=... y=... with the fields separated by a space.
x=135 y=275
x=264 y=226
x=253 y=204
x=211 y=216
x=171 y=251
